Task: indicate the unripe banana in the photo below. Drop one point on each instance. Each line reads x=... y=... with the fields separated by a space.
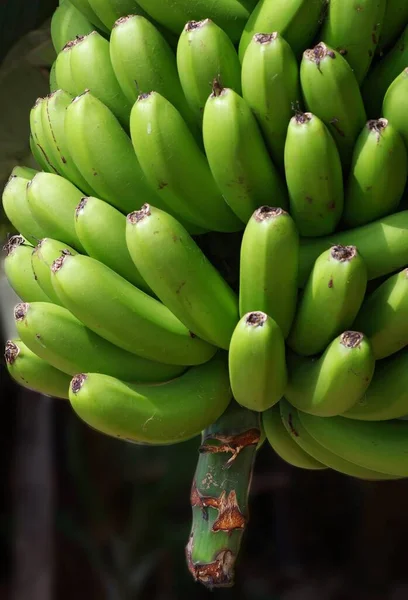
x=237 y=155
x=102 y=232
x=66 y=23
x=283 y=444
x=53 y=78
x=143 y=61
x=377 y=176
x=175 y=167
x=382 y=244
x=52 y=201
x=38 y=136
x=395 y=105
x=270 y=86
x=324 y=74
x=23 y=172
x=104 y=155
x=383 y=316
x=55 y=335
x=353 y=30
x=257 y=364
x=18 y=270
x=15 y=205
x=296 y=20
x=269 y=265
x=108 y=11
x=395 y=18
x=387 y=394
x=181 y=276
x=125 y=316
x=383 y=74
x=85 y=8
x=204 y=53
x=92 y=70
x=34 y=373
x=63 y=71
x=45 y=252
x=293 y=422
x=230 y=15
x=333 y=383
x=313 y=176
x=332 y=298
x=37 y=154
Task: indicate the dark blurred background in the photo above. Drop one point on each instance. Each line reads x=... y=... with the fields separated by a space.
x=89 y=517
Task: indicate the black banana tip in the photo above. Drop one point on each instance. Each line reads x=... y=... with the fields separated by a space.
x=77 y=382
x=377 y=125
x=12 y=243
x=138 y=215
x=59 y=262
x=21 y=310
x=265 y=38
x=11 y=352
x=318 y=53
x=343 y=253
x=256 y=319
x=351 y=339
x=81 y=205
x=268 y=212
x=192 y=25
x=124 y=19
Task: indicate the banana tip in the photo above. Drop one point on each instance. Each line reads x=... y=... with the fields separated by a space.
x=138 y=215
x=268 y=212
x=343 y=253
x=192 y=25
x=20 y=311
x=59 y=262
x=125 y=19
x=377 y=125
x=256 y=318
x=12 y=243
x=351 y=339
x=265 y=38
x=77 y=382
x=318 y=53
x=11 y=352
x=81 y=205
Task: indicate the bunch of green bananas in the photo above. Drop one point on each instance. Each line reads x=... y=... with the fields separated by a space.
x=217 y=239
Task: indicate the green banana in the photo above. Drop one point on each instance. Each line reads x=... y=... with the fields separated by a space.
x=379 y=446
x=268 y=266
x=109 y=11
x=394 y=106
x=181 y=276
x=204 y=53
x=331 y=300
x=353 y=30
x=175 y=166
x=283 y=444
x=91 y=69
x=52 y=201
x=270 y=86
x=237 y=155
x=101 y=230
x=297 y=20
x=38 y=136
x=85 y=8
x=395 y=18
x=38 y=155
x=53 y=78
x=23 y=172
x=333 y=383
x=45 y=252
x=155 y=414
x=387 y=394
x=257 y=364
x=63 y=71
x=383 y=316
x=34 y=373
x=230 y=15
x=313 y=176
x=383 y=74
x=66 y=23
x=17 y=210
x=382 y=244
x=143 y=61
x=378 y=174
x=58 y=337
x=125 y=316
x=104 y=154
x=324 y=74
x=293 y=422
x=18 y=270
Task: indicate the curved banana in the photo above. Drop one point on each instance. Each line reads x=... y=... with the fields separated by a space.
x=104 y=155
x=331 y=300
x=53 y=78
x=383 y=317
x=15 y=205
x=102 y=232
x=34 y=373
x=333 y=383
x=394 y=106
x=313 y=176
x=23 y=172
x=108 y=11
x=52 y=201
x=269 y=265
x=58 y=337
x=257 y=365
x=270 y=71
x=296 y=20
x=395 y=18
x=382 y=244
x=283 y=444
x=237 y=155
x=125 y=316
x=45 y=252
x=293 y=422
x=324 y=74
x=175 y=167
x=37 y=133
x=204 y=53
x=354 y=30
x=63 y=72
x=85 y=8
x=66 y=23
x=378 y=174
x=181 y=276
x=18 y=270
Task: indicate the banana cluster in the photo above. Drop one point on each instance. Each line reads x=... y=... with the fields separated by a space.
x=274 y=133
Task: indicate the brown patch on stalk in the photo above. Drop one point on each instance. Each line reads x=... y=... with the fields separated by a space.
x=232 y=444
x=77 y=382
x=351 y=339
x=256 y=319
x=343 y=253
x=138 y=215
x=219 y=573
x=229 y=517
x=267 y=212
x=265 y=38
x=11 y=352
x=12 y=243
x=21 y=310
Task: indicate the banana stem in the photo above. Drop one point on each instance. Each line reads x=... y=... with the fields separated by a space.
x=219 y=496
